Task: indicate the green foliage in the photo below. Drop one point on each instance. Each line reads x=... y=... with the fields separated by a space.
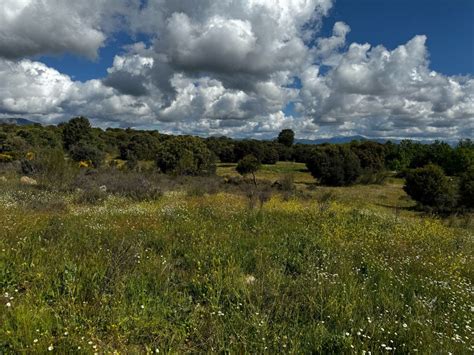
x=77 y=130
x=248 y=165
x=284 y=153
x=286 y=137
x=249 y=147
x=431 y=187
x=335 y=165
x=303 y=152
x=143 y=146
x=187 y=274
x=466 y=188
x=270 y=155
x=223 y=148
x=85 y=152
x=461 y=160
x=185 y=156
x=53 y=169
x=370 y=154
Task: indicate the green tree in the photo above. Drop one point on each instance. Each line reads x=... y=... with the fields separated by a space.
x=77 y=130
x=85 y=152
x=466 y=188
x=270 y=154
x=370 y=154
x=429 y=186
x=334 y=165
x=286 y=137
x=249 y=165
x=185 y=156
x=142 y=146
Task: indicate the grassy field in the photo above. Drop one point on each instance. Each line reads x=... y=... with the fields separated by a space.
x=300 y=174
x=331 y=271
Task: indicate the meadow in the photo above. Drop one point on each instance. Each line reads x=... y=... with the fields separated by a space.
x=319 y=270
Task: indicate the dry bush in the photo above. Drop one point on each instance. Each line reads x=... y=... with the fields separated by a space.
x=130 y=184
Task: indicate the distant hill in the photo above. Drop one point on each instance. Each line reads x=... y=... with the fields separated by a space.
x=17 y=121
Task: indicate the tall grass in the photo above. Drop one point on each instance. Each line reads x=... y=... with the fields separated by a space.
x=201 y=273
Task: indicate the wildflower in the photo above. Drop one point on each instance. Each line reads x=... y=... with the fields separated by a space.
x=405 y=325
x=8 y=304
x=250 y=279
x=142 y=306
x=50 y=348
x=35 y=341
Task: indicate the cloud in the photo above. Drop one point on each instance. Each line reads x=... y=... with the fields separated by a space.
x=129 y=75
x=226 y=67
x=379 y=92
x=32 y=88
x=36 y=27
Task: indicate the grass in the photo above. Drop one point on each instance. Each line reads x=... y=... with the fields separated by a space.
x=273 y=172
x=334 y=273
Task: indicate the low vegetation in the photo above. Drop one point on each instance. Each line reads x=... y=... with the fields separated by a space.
x=185 y=253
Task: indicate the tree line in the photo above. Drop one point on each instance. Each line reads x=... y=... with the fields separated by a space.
x=437 y=175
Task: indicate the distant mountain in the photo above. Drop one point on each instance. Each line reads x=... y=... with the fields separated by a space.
x=17 y=121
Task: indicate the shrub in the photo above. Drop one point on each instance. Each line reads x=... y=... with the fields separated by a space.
x=185 y=156
x=85 y=152
x=466 y=189
x=373 y=177
x=52 y=168
x=270 y=155
x=142 y=146
x=6 y=158
x=334 y=166
x=370 y=154
x=77 y=130
x=248 y=165
x=430 y=187
x=132 y=185
x=286 y=137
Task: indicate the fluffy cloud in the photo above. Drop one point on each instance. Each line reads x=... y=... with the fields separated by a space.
x=226 y=67
x=32 y=88
x=379 y=92
x=32 y=27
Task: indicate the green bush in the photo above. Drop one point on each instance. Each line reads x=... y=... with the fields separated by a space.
x=77 y=130
x=286 y=137
x=334 y=165
x=270 y=155
x=84 y=152
x=248 y=165
x=466 y=189
x=429 y=186
x=185 y=156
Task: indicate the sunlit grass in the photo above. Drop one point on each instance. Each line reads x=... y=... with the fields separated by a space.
x=273 y=172
x=206 y=273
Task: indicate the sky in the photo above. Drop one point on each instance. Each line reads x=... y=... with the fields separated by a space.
x=243 y=68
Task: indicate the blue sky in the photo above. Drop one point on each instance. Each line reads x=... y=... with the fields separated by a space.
x=448 y=24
